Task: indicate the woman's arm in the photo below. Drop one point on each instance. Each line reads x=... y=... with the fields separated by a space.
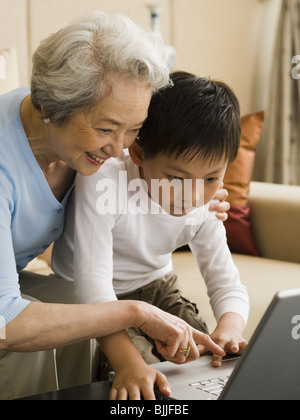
x=43 y=326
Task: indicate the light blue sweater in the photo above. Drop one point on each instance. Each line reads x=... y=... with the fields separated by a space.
x=30 y=216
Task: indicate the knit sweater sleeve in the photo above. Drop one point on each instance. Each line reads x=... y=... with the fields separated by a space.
x=11 y=302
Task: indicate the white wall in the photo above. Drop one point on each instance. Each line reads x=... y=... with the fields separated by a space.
x=48 y=16
x=231 y=40
x=13 y=32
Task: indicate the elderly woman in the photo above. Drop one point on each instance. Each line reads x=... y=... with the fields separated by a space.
x=91 y=87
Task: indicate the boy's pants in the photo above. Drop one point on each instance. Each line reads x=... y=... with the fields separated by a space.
x=26 y=374
x=164 y=293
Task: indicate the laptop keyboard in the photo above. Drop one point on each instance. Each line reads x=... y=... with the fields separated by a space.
x=213 y=387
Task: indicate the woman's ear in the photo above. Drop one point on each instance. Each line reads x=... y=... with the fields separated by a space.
x=136 y=154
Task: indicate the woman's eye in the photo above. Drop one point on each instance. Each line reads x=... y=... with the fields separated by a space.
x=103 y=131
x=172 y=178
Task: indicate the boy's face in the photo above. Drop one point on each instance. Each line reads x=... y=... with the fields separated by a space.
x=182 y=200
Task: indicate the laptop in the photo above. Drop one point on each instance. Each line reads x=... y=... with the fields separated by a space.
x=268 y=370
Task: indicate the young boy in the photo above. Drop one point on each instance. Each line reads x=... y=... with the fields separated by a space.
x=123 y=227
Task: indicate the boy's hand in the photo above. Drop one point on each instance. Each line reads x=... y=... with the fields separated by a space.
x=221 y=207
x=134 y=378
x=229 y=336
x=136 y=381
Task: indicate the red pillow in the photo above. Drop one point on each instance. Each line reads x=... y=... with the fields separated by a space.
x=238 y=227
x=237 y=182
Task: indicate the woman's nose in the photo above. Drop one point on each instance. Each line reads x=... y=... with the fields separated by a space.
x=115 y=148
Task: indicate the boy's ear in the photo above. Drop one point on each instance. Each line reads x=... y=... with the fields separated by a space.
x=136 y=154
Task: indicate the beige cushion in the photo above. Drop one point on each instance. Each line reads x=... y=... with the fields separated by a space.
x=9 y=77
x=275 y=211
x=263 y=278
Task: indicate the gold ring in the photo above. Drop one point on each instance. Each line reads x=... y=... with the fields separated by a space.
x=186 y=352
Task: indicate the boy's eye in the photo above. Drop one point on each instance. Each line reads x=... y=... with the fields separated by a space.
x=211 y=180
x=172 y=178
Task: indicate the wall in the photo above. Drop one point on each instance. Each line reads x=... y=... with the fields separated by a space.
x=13 y=32
x=231 y=40
x=47 y=17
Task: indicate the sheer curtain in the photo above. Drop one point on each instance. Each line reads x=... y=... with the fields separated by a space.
x=282 y=130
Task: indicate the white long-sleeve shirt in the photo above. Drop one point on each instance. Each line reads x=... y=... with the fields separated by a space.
x=118 y=252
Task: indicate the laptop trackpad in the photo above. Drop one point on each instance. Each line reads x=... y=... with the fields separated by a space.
x=198 y=380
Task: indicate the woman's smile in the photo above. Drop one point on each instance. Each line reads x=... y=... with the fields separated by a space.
x=94 y=159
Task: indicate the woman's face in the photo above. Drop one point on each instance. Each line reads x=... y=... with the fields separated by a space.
x=88 y=139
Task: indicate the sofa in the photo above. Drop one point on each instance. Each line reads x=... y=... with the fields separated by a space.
x=275 y=224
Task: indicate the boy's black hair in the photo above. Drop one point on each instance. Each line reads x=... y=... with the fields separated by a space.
x=195 y=117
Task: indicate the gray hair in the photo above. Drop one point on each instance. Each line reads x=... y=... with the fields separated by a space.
x=71 y=67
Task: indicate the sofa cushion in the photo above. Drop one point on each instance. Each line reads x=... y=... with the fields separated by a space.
x=237 y=181
x=239 y=232
x=275 y=211
x=262 y=277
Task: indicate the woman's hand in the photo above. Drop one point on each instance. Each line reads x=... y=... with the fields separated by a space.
x=173 y=336
x=220 y=205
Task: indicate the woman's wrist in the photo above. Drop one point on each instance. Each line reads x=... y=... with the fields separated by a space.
x=138 y=313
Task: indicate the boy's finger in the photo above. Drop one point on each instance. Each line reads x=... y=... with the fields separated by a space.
x=221 y=195
x=234 y=347
x=223 y=217
x=135 y=394
x=113 y=394
x=162 y=384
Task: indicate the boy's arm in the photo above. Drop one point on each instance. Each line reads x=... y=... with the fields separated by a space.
x=134 y=378
x=228 y=297
x=222 y=278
